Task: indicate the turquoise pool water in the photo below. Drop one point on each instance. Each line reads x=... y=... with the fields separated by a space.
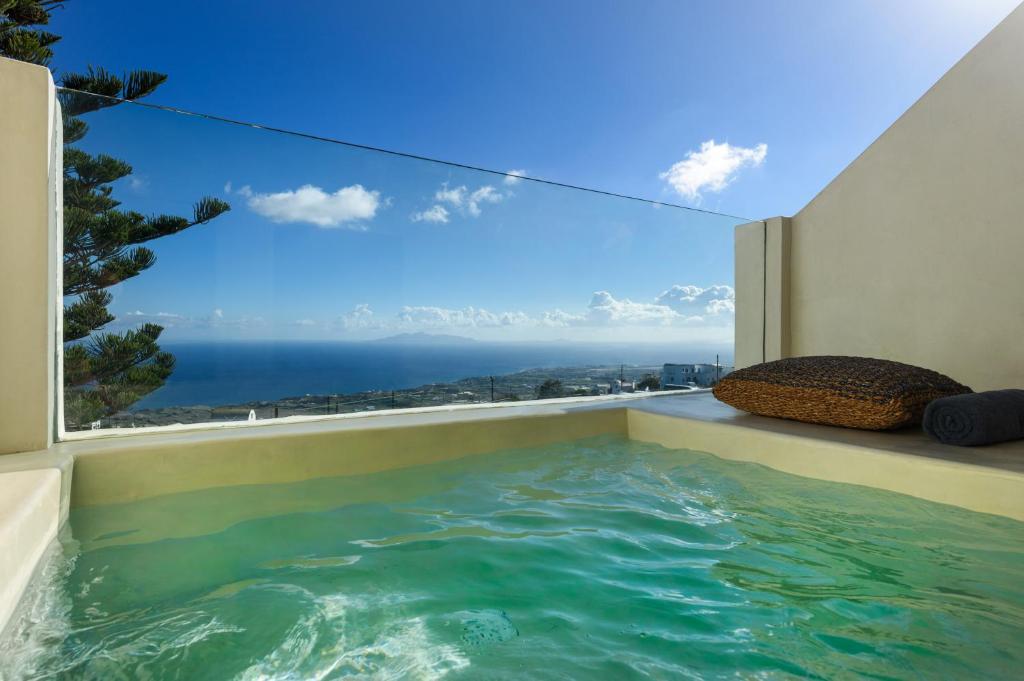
x=596 y=559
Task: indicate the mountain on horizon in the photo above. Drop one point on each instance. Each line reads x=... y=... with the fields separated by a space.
x=423 y=338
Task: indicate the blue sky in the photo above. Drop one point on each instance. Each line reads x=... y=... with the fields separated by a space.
x=748 y=108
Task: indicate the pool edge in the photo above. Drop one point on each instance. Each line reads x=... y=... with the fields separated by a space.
x=148 y=467
x=30 y=515
x=974 y=487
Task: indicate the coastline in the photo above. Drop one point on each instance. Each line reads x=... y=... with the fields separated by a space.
x=521 y=385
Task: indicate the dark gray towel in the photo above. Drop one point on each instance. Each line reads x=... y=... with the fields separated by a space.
x=976 y=418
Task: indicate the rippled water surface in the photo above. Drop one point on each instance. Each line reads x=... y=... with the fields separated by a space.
x=597 y=559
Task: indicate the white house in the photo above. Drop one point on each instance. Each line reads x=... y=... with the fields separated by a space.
x=690 y=375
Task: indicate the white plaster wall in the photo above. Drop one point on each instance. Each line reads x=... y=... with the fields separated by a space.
x=750 y=280
x=30 y=136
x=916 y=251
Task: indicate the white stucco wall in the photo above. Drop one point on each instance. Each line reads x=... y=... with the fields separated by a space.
x=30 y=136
x=915 y=252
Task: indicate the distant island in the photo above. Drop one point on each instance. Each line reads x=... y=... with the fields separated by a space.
x=522 y=385
x=422 y=338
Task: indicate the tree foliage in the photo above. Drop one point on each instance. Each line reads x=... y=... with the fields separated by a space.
x=104 y=372
x=550 y=388
x=21 y=34
x=649 y=382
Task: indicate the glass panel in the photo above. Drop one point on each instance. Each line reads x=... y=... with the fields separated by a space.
x=349 y=279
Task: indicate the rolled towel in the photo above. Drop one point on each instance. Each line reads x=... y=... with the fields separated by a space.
x=976 y=418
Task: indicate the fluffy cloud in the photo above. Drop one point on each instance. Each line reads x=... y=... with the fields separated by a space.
x=432 y=317
x=679 y=305
x=361 y=317
x=513 y=177
x=515 y=319
x=560 y=318
x=162 y=318
x=170 y=320
x=605 y=309
x=436 y=213
x=456 y=196
x=485 y=194
x=461 y=199
x=308 y=203
x=694 y=301
x=712 y=168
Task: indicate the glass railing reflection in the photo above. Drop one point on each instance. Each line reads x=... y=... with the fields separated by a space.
x=216 y=271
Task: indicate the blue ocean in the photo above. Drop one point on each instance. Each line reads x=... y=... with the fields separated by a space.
x=220 y=373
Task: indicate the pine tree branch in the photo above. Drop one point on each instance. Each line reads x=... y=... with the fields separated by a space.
x=140 y=83
x=111 y=354
x=87 y=314
x=207 y=209
x=98 y=88
x=92 y=171
x=74 y=129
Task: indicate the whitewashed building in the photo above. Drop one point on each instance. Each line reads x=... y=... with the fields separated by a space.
x=691 y=375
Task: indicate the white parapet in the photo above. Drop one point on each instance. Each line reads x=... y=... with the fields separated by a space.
x=30 y=207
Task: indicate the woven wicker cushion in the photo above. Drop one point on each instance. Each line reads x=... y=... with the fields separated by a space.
x=856 y=392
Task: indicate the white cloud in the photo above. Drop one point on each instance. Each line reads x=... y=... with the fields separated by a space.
x=162 y=318
x=515 y=319
x=459 y=198
x=513 y=177
x=679 y=306
x=432 y=317
x=455 y=196
x=361 y=317
x=712 y=168
x=436 y=213
x=485 y=194
x=312 y=204
x=693 y=301
x=558 y=317
x=171 y=320
x=605 y=309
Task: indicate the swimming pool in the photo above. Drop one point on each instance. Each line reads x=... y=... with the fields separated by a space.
x=599 y=558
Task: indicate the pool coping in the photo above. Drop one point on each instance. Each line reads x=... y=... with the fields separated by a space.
x=980 y=486
x=126 y=468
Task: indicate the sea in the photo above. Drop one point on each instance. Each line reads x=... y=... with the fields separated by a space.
x=236 y=372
